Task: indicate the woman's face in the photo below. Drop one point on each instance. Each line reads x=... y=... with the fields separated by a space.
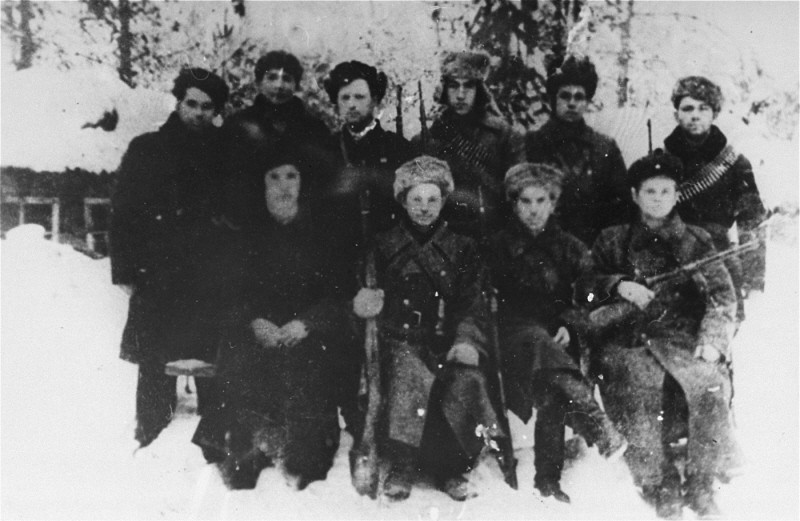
x=424 y=204
x=282 y=191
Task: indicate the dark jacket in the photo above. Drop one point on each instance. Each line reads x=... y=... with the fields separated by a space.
x=733 y=199
x=661 y=339
x=479 y=148
x=261 y=132
x=534 y=278
x=594 y=194
x=163 y=238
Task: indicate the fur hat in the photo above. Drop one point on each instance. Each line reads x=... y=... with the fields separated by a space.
x=347 y=72
x=421 y=170
x=279 y=60
x=204 y=80
x=699 y=88
x=573 y=71
x=523 y=175
x=656 y=164
x=465 y=64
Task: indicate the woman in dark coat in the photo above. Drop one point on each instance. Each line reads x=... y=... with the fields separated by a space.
x=277 y=370
x=663 y=369
x=534 y=264
x=437 y=409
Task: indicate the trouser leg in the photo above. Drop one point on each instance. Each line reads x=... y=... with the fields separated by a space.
x=155 y=401
x=548 y=447
x=208 y=395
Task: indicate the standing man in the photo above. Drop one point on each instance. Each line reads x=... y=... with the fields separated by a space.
x=718 y=188
x=162 y=236
x=475 y=141
x=594 y=194
x=277 y=121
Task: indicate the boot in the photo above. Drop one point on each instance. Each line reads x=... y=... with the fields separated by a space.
x=700 y=496
x=552 y=488
x=459 y=488
x=397 y=486
x=669 y=504
x=610 y=442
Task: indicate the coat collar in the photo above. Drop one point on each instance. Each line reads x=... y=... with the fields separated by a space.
x=401 y=237
x=673 y=232
x=678 y=145
x=556 y=131
x=521 y=240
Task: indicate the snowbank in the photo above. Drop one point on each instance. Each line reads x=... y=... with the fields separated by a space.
x=44 y=111
x=67 y=436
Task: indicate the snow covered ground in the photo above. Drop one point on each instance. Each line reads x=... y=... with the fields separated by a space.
x=68 y=419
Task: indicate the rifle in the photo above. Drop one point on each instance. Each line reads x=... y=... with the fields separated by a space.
x=364 y=470
x=398 y=120
x=423 y=119
x=505 y=447
x=649 y=136
x=608 y=316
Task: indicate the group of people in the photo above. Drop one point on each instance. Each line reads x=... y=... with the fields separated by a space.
x=264 y=246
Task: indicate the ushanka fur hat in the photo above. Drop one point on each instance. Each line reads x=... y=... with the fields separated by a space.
x=421 y=170
x=466 y=64
x=572 y=71
x=347 y=72
x=524 y=175
x=699 y=88
x=656 y=164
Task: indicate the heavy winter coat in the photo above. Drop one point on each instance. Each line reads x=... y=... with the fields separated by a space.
x=661 y=341
x=163 y=239
x=594 y=193
x=534 y=278
x=432 y=301
x=283 y=399
x=479 y=148
x=733 y=199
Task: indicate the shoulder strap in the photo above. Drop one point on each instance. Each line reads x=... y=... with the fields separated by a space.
x=708 y=176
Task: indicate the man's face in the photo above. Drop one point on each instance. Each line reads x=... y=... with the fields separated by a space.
x=533 y=207
x=277 y=86
x=424 y=203
x=196 y=110
x=571 y=103
x=282 y=191
x=656 y=197
x=461 y=94
x=694 y=116
x=355 y=104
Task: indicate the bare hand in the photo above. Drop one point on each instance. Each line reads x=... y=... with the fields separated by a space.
x=464 y=354
x=368 y=302
x=635 y=293
x=267 y=334
x=562 y=336
x=292 y=333
x=126 y=288
x=708 y=353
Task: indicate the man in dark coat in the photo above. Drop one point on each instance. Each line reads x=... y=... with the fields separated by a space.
x=594 y=194
x=718 y=188
x=276 y=121
x=475 y=141
x=162 y=239
x=664 y=375
x=534 y=264
x=284 y=343
x=437 y=410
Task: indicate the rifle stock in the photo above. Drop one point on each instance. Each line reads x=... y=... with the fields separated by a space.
x=423 y=119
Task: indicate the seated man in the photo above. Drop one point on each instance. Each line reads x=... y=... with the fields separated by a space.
x=534 y=266
x=663 y=372
x=277 y=370
x=437 y=410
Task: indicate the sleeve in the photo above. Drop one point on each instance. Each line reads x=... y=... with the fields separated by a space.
x=601 y=273
x=470 y=312
x=515 y=148
x=616 y=199
x=719 y=321
x=749 y=213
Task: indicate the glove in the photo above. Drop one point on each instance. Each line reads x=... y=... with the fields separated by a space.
x=368 y=303
x=266 y=333
x=562 y=336
x=463 y=354
x=635 y=293
x=708 y=353
x=292 y=333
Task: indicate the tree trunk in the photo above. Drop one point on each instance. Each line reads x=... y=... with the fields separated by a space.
x=624 y=56
x=125 y=43
x=27 y=43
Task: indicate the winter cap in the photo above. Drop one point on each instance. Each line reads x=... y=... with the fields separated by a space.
x=656 y=164
x=279 y=60
x=523 y=175
x=206 y=81
x=699 y=88
x=347 y=72
x=421 y=170
x=466 y=64
x=572 y=71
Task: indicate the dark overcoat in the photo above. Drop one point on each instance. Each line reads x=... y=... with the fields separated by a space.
x=163 y=240
x=594 y=192
x=534 y=278
x=479 y=149
x=283 y=398
x=432 y=301
x=733 y=199
x=699 y=309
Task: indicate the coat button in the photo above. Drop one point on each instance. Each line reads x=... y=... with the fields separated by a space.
x=406 y=326
x=406 y=302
